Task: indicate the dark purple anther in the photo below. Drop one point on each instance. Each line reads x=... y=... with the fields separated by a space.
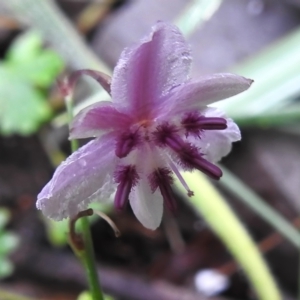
x=162 y=179
x=194 y=123
x=166 y=135
x=191 y=158
x=127 y=178
x=125 y=143
x=208 y=168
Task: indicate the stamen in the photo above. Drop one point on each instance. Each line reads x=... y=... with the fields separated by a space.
x=190 y=193
x=194 y=123
x=208 y=168
x=189 y=155
x=163 y=179
x=127 y=178
x=166 y=135
x=125 y=143
x=191 y=158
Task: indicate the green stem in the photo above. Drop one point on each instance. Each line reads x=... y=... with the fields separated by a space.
x=87 y=254
x=88 y=260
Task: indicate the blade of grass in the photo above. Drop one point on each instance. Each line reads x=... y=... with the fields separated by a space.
x=243 y=193
x=195 y=14
x=276 y=78
x=210 y=204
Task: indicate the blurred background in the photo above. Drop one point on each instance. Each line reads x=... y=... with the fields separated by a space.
x=41 y=40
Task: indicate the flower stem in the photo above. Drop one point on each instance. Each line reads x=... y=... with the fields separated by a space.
x=86 y=255
x=87 y=258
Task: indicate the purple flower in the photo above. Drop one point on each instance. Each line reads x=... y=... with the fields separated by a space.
x=156 y=124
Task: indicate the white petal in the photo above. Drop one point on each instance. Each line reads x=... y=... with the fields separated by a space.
x=215 y=144
x=147 y=206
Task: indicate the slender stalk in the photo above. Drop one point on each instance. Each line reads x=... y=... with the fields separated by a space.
x=88 y=260
x=87 y=254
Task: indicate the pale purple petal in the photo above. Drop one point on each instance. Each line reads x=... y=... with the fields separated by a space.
x=147 y=206
x=196 y=94
x=148 y=70
x=97 y=119
x=86 y=176
x=215 y=144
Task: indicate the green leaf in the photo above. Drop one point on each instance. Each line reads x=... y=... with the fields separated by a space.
x=6 y=267
x=8 y=243
x=40 y=71
x=4 y=217
x=57 y=231
x=25 y=47
x=85 y=295
x=222 y=220
x=24 y=76
x=22 y=108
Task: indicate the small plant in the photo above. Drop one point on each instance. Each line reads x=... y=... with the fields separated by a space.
x=8 y=243
x=25 y=73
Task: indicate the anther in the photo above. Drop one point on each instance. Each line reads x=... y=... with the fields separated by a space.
x=126 y=143
x=191 y=158
x=194 y=123
x=166 y=135
x=162 y=178
x=127 y=178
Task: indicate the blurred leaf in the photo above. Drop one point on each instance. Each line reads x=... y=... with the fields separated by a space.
x=22 y=107
x=196 y=13
x=243 y=193
x=27 y=69
x=4 y=217
x=6 y=267
x=40 y=71
x=276 y=74
x=25 y=48
x=57 y=231
x=208 y=202
x=8 y=243
x=87 y=296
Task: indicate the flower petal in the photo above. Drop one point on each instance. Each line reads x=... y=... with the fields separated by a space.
x=148 y=70
x=83 y=178
x=97 y=119
x=197 y=94
x=147 y=206
x=215 y=144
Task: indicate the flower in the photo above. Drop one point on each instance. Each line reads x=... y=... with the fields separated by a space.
x=156 y=124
